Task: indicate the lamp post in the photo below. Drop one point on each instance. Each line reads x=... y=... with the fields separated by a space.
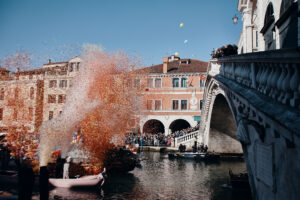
x=235 y=19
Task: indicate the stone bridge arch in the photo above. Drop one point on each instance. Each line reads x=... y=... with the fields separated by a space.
x=219 y=127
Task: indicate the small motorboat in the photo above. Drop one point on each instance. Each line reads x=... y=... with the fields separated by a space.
x=85 y=181
x=209 y=157
x=187 y=155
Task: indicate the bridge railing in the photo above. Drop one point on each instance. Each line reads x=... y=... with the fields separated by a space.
x=272 y=73
x=186 y=138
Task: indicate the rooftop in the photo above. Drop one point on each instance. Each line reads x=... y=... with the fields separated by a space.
x=177 y=66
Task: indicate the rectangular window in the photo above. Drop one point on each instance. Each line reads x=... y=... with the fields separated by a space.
x=63 y=83
x=70 y=67
x=30 y=113
x=2 y=94
x=256 y=39
x=183 y=104
x=158 y=83
x=137 y=83
x=149 y=104
x=201 y=83
x=31 y=93
x=16 y=93
x=15 y=115
x=62 y=98
x=52 y=83
x=184 y=82
x=150 y=83
x=201 y=104
x=157 y=104
x=50 y=115
x=1 y=114
x=51 y=98
x=175 y=105
x=175 y=82
x=77 y=66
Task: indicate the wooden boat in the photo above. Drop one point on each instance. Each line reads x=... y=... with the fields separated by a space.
x=239 y=181
x=85 y=181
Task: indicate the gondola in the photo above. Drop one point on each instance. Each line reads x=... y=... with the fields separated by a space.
x=239 y=181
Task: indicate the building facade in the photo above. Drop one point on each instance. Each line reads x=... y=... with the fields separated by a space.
x=268 y=25
x=172 y=94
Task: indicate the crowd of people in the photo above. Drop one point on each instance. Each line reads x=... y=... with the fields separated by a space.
x=157 y=139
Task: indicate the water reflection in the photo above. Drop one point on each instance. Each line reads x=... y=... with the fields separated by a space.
x=162 y=178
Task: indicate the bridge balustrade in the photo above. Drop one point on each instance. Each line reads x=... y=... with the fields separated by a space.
x=273 y=73
x=185 y=138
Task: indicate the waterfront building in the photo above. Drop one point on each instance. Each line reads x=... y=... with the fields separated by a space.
x=171 y=92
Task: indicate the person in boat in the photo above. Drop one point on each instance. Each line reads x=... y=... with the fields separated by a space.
x=195 y=145
x=59 y=167
x=205 y=149
x=180 y=148
x=66 y=168
x=102 y=176
x=202 y=147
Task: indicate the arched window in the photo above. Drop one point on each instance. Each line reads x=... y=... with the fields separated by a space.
x=268 y=30
x=269 y=16
x=175 y=82
x=31 y=93
x=285 y=4
x=183 y=82
x=287 y=24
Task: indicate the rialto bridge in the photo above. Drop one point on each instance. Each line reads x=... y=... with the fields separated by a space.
x=252 y=106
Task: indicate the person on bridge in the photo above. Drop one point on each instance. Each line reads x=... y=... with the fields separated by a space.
x=195 y=145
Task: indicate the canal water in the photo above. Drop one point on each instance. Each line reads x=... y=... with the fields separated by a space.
x=163 y=178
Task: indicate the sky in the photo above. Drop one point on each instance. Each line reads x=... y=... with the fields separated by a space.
x=144 y=29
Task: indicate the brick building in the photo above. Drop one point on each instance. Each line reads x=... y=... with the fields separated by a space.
x=172 y=94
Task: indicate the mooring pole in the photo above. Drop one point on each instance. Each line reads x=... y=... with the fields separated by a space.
x=44 y=183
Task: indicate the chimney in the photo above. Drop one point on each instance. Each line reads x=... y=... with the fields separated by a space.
x=131 y=68
x=49 y=61
x=165 y=65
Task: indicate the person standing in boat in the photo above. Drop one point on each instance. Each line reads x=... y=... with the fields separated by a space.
x=66 y=168
x=195 y=144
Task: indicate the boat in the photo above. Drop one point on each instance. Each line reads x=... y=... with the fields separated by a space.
x=120 y=160
x=239 y=181
x=85 y=181
x=200 y=156
x=208 y=157
x=187 y=155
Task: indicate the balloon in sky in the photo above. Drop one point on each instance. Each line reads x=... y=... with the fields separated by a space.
x=185 y=41
x=181 y=25
x=176 y=53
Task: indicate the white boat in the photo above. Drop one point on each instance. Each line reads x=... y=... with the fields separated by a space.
x=85 y=181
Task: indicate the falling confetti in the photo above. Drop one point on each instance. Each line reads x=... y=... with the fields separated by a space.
x=185 y=41
x=181 y=25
